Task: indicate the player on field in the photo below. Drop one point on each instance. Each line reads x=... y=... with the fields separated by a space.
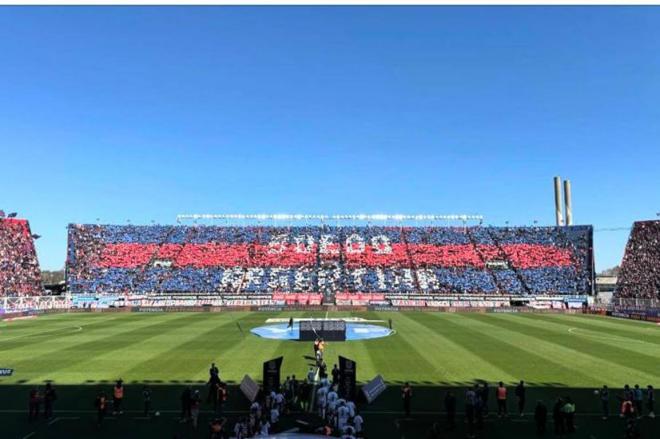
x=321 y=400
x=358 y=422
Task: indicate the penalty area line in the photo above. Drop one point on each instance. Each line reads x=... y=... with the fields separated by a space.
x=573 y=331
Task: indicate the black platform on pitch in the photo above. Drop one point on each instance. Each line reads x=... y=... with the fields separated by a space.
x=331 y=330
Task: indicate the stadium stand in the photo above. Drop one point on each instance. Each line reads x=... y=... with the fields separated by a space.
x=322 y=260
x=19 y=268
x=639 y=277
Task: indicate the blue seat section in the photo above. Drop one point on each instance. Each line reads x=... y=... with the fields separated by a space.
x=482 y=235
x=465 y=280
x=554 y=280
x=437 y=235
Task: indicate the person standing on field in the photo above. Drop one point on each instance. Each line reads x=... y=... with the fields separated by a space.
x=557 y=417
x=650 y=400
x=186 y=397
x=100 y=403
x=520 y=394
x=33 y=406
x=568 y=412
x=540 y=416
x=406 y=396
x=49 y=399
x=146 y=394
x=470 y=398
x=605 y=402
x=118 y=397
x=500 y=394
x=484 y=397
x=195 y=401
x=450 y=408
x=638 y=400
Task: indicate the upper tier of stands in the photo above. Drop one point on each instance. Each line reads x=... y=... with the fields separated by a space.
x=19 y=268
x=640 y=270
x=323 y=259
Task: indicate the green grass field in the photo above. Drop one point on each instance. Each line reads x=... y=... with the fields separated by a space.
x=554 y=354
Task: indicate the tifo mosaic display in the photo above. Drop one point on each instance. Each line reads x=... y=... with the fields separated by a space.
x=266 y=260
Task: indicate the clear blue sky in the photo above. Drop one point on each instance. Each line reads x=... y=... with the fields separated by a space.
x=143 y=113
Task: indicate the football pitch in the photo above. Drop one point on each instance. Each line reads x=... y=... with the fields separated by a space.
x=556 y=355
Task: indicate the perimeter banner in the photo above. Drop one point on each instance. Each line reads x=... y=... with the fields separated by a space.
x=347 y=378
x=272 y=374
x=249 y=388
x=650 y=315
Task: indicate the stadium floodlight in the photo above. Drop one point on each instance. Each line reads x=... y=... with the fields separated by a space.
x=354 y=217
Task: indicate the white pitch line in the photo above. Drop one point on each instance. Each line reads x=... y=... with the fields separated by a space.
x=29 y=435
x=53 y=421
x=603 y=337
x=42 y=333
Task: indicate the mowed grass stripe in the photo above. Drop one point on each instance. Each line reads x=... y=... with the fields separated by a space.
x=606 y=325
x=436 y=338
x=34 y=339
x=248 y=356
x=113 y=338
x=520 y=355
x=294 y=352
x=189 y=358
x=577 y=357
x=406 y=355
x=612 y=351
x=30 y=328
x=360 y=351
x=629 y=342
x=125 y=358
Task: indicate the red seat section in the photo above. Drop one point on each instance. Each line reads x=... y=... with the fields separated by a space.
x=19 y=269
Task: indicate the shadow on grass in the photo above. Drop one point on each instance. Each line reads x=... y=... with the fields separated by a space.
x=75 y=412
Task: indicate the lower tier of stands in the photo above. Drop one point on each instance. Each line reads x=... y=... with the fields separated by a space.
x=280 y=300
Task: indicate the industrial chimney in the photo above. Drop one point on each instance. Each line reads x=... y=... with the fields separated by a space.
x=558 y=211
x=567 y=202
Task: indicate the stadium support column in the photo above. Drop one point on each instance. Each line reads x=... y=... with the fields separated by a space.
x=558 y=211
x=567 y=202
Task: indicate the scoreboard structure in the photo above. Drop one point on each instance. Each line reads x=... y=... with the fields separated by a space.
x=331 y=330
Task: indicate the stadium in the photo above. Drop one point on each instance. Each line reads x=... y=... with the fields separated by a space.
x=412 y=302
x=299 y=222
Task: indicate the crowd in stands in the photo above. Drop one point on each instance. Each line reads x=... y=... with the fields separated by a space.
x=19 y=268
x=639 y=277
x=322 y=259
